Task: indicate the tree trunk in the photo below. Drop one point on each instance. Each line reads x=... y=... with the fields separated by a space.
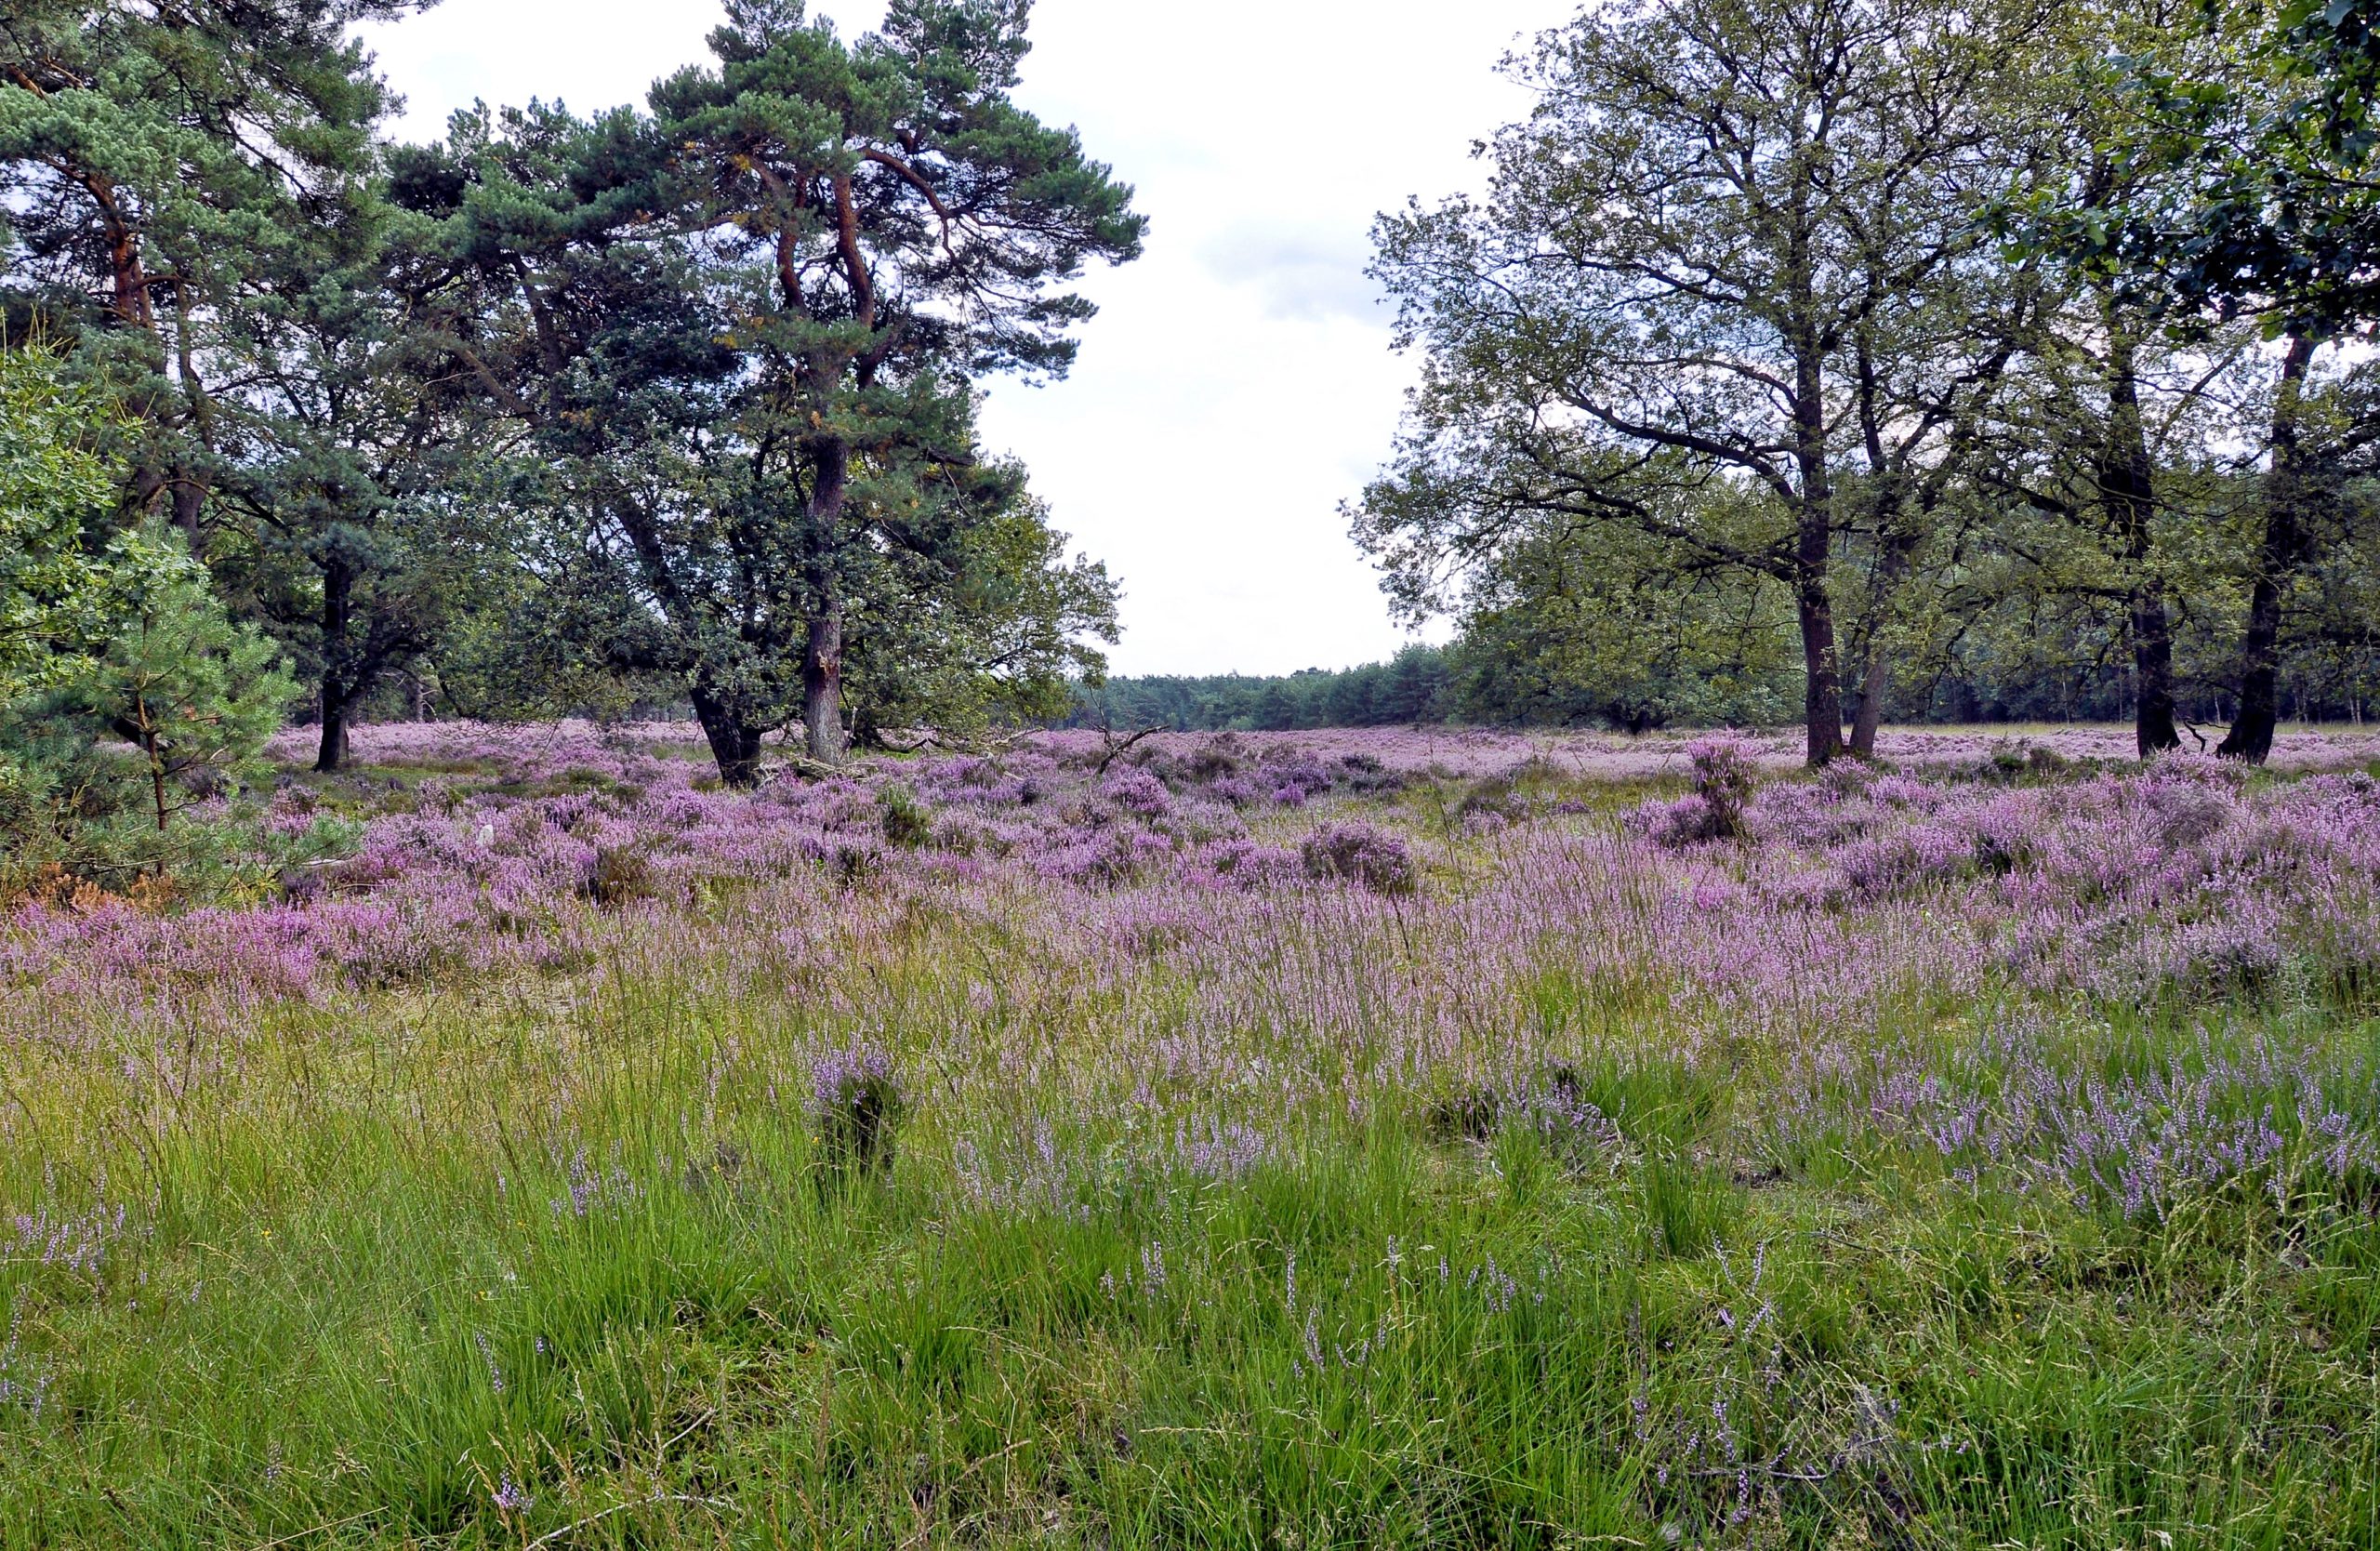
x=1822 y=699
x=157 y=784
x=333 y=752
x=1891 y=570
x=2128 y=489
x=822 y=683
x=339 y=687
x=1813 y=550
x=190 y=509
x=2155 y=730
x=822 y=653
x=2284 y=551
x=735 y=743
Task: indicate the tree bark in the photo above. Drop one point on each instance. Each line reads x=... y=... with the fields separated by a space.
x=1813 y=551
x=735 y=743
x=2128 y=490
x=822 y=653
x=190 y=492
x=2282 y=551
x=339 y=686
x=1892 y=569
x=334 y=750
x=822 y=683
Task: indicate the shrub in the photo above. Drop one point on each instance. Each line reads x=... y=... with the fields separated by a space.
x=618 y=874
x=1725 y=774
x=856 y=1107
x=1136 y=790
x=907 y=822
x=1301 y=773
x=1726 y=771
x=1360 y=854
x=1243 y=864
x=1498 y=799
x=1367 y=776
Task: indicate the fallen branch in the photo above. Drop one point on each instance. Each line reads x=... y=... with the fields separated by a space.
x=1117 y=751
x=801 y=769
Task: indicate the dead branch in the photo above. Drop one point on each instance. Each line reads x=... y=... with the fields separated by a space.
x=1117 y=751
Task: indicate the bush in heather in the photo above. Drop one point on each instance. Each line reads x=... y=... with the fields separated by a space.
x=619 y=874
x=855 y=1107
x=1136 y=790
x=1299 y=772
x=1243 y=864
x=1726 y=771
x=1725 y=775
x=1360 y=854
x=906 y=822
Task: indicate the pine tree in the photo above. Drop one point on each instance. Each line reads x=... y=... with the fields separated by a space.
x=160 y=165
x=745 y=328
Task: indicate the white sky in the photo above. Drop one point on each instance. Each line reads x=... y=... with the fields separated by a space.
x=1238 y=384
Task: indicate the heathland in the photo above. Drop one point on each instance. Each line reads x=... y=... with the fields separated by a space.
x=1379 y=1139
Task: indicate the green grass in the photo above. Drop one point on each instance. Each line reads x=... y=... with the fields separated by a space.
x=350 y=1321
x=393 y=1263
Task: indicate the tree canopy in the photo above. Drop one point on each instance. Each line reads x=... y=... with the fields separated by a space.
x=1891 y=312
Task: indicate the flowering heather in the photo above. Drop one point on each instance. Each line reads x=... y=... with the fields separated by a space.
x=1361 y=855
x=1527 y=1145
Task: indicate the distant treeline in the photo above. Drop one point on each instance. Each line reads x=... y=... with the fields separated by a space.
x=1470 y=683
x=1413 y=686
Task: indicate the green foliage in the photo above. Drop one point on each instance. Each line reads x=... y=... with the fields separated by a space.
x=197 y=212
x=2248 y=130
x=105 y=639
x=1563 y=627
x=1726 y=268
x=163 y=166
x=1712 y=364
x=195 y=694
x=995 y=628
x=741 y=330
x=52 y=482
x=1414 y=687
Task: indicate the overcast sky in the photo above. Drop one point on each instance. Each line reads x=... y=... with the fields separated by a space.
x=1238 y=384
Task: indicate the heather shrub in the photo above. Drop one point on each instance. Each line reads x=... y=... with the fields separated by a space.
x=1368 y=775
x=1137 y=791
x=855 y=1107
x=618 y=874
x=1239 y=790
x=1301 y=773
x=1361 y=855
x=1726 y=770
x=852 y=860
x=1498 y=799
x=1725 y=775
x=907 y=822
x=1241 y=863
x=1103 y=856
x=1549 y=1107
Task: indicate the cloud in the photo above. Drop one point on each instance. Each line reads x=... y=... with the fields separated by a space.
x=1302 y=275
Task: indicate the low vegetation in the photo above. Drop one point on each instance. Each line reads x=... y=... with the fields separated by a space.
x=1248 y=1145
